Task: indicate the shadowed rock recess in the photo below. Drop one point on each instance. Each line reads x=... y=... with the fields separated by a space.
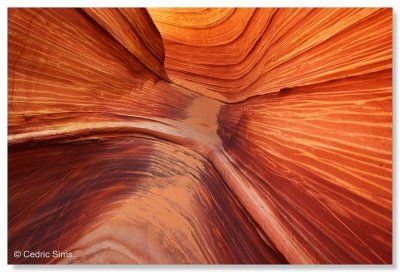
x=200 y=136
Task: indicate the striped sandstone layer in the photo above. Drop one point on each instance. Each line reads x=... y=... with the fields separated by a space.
x=200 y=135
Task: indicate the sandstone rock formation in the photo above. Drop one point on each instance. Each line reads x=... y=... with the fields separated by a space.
x=200 y=135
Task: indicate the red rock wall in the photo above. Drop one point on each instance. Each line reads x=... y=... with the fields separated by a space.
x=200 y=135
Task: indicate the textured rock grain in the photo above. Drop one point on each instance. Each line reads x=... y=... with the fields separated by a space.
x=200 y=135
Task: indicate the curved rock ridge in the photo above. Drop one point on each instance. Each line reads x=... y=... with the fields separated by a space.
x=240 y=53
x=200 y=135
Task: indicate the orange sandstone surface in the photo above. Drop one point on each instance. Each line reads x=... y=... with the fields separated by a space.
x=202 y=136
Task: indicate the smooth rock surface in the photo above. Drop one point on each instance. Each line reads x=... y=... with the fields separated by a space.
x=221 y=136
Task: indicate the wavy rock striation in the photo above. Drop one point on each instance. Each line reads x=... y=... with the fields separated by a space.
x=200 y=135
